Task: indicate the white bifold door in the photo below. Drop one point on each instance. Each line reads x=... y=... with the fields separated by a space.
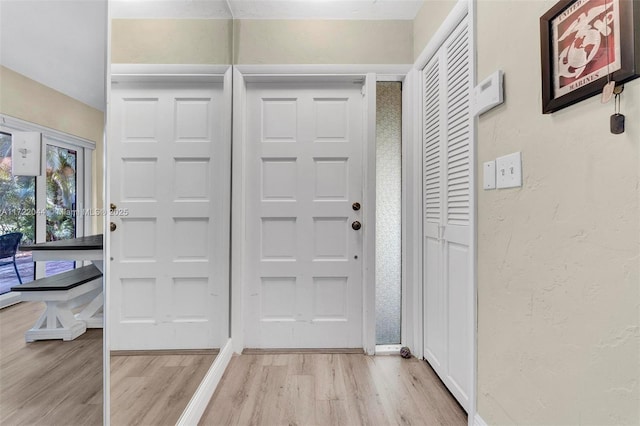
x=303 y=256
x=169 y=180
x=448 y=287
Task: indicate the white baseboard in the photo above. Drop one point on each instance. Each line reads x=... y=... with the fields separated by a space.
x=200 y=399
x=477 y=421
x=388 y=349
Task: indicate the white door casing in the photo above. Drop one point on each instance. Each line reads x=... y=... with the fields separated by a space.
x=447 y=185
x=303 y=172
x=169 y=176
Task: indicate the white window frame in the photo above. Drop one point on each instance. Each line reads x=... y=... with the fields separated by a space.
x=84 y=149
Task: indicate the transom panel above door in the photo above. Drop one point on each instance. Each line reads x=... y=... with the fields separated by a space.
x=304 y=248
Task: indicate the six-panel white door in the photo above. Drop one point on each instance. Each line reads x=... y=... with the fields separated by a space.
x=169 y=175
x=303 y=259
x=447 y=184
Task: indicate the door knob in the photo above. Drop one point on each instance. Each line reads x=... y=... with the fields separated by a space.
x=355 y=206
x=356 y=225
x=112 y=226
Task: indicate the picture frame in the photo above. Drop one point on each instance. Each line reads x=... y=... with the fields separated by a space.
x=584 y=44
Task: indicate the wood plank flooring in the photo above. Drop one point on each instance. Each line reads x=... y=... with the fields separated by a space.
x=60 y=383
x=331 y=389
x=48 y=382
x=154 y=388
x=56 y=382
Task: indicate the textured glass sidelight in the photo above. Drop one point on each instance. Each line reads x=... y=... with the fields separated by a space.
x=388 y=212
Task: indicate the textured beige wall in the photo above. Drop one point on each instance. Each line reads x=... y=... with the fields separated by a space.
x=322 y=42
x=427 y=22
x=31 y=101
x=558 y=259
x=171 y=41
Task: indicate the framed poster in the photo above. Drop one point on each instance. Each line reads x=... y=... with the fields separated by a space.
x=584 y=44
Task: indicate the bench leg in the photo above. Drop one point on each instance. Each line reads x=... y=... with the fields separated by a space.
x=92 y=313
x=57 y=322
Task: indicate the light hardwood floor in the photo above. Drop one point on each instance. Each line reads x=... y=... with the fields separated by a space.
x=60 y=383
x=49 y=382
x=56 y=382
x=154 y=389
x=331 y=389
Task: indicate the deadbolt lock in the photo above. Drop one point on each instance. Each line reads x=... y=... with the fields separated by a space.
x=355 y=206
x=112 y=207
x=356 y=225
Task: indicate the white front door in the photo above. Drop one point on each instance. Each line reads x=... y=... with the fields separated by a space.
x=448 y=284
x=303 y=257
x=169 y=181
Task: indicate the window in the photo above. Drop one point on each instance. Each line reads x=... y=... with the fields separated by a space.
x=388 y=212
x=43 y=208
x=61 y=203
x=17 y=214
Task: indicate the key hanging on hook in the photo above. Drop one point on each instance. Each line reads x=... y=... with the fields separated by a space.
x=607 y=91
x=617 y=120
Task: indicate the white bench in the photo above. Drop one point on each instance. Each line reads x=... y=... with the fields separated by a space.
x=61 y=293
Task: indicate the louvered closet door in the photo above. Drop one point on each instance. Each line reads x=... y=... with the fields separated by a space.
x=447 y=233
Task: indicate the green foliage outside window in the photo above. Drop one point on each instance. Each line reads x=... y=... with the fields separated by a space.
x=61 y=193
x=18 y=195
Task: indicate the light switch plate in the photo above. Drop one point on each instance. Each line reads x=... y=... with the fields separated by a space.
x=489 y=173
x=509 y=171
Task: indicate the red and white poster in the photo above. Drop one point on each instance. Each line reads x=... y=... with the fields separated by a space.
x=586 y=44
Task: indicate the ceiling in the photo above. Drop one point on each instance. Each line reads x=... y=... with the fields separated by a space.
x=204 y=9
x=267 y=9
x=325 y=9
x=61 y=43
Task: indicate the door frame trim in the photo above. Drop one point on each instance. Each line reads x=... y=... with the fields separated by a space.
x=369 y=217
x=241 y=75
x=167 y=72
x=321 y=70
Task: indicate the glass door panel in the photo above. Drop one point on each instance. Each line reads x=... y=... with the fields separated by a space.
x=61 y=200
x=17 y=214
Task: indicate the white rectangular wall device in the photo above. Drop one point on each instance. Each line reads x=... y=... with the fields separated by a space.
x=26 y=153
x=489 y=93
x=489 y=174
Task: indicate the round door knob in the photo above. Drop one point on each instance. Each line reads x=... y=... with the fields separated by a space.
x=356 y=225
x=112 y=226
x=355 y=206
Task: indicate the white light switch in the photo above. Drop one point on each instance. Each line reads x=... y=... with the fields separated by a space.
x=489 y=172
x=509 y=171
